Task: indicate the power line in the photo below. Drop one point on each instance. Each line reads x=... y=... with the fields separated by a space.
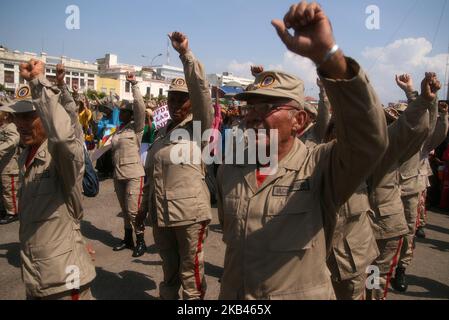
x=439 y=23
x=395 y=33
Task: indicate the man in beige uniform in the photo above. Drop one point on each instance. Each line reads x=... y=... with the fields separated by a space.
x=55 y=262
x=406 y=136
x=441 y=130
x=413 y=180
x=9 y=169
x=354 y=245
x=175 y=193
x=128 y=169
x=278 y=228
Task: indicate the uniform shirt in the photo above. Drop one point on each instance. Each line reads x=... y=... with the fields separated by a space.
x=50 y=201
x=278 y=236
x=406 y=136
x=354 y=245
x=9 y=149
x=126 y=143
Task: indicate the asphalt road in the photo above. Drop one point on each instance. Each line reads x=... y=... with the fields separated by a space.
x=119 y=276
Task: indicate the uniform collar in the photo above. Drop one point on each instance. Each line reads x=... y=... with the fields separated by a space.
x=42 y=153
x=164 y=131
x=294 y=161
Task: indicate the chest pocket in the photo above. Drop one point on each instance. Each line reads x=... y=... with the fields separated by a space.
x=128 y=148
x=44 y=184
x=233 y=229
x=290 y=223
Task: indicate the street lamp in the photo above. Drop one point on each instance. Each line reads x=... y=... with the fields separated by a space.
x=159 y=55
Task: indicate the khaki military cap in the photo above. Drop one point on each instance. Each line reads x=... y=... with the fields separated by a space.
x=178 y=85
x=23 y=102
x=310 y=108
x=275 y=84
x=128 y=106
x=400 y=107
x=391 y=113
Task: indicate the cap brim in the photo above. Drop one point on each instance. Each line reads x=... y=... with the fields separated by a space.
x=245 y=96
x=23 y=106
x=179 y=90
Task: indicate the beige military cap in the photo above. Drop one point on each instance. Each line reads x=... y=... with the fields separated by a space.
x=391 y=113
x=275 y=84
x=400 y=107
x=178 y=85
x=128 y=106
x=22 y=103
x=310 y=108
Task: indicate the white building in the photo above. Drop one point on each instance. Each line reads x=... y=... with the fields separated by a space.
x=150 y=83
x=169 y=72
x=220 y=80
x=80 y=73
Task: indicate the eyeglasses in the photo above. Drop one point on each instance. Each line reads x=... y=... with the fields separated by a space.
x=268 y=108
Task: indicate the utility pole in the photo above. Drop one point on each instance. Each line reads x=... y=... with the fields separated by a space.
x=446 y=77
x=168 y=52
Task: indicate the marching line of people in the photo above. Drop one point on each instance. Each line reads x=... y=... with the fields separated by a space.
x=346 y=194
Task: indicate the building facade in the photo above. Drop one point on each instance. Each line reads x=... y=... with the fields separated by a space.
x=113 y=79
x=78 y=73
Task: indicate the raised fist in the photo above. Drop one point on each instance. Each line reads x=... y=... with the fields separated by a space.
x=32 y=69
x=312 y=32
x=179 y=42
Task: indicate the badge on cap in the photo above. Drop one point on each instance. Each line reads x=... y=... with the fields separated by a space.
x=23 y=93
x=179 y=82
x=267 y=81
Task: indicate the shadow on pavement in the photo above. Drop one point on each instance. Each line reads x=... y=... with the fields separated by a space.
x=213 y=270
x=437 y=228
x=215 y=228
x=91 y=232
x=126 y=285
x=435 y=289
x=435 y=244
x=148 y=263
x=12 y=254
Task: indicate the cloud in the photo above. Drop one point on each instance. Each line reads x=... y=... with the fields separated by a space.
x=241 y=69
x=411 y=55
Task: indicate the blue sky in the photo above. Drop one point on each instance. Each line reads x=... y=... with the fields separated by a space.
x=220 y=31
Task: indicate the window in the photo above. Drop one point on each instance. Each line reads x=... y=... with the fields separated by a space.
x=91 y=75
x=104 y=90
x=91 y=84
x=148 y=91
x=127 y=87
x=9 y=66
x=9 y=76
x=161 y=92
x=82 y=83
x=76 y=74
x=76 y=82
x=81 y=74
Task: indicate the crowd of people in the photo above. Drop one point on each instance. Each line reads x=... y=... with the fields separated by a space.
x=347 y=196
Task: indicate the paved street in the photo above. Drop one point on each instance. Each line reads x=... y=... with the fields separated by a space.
x=119 y=276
